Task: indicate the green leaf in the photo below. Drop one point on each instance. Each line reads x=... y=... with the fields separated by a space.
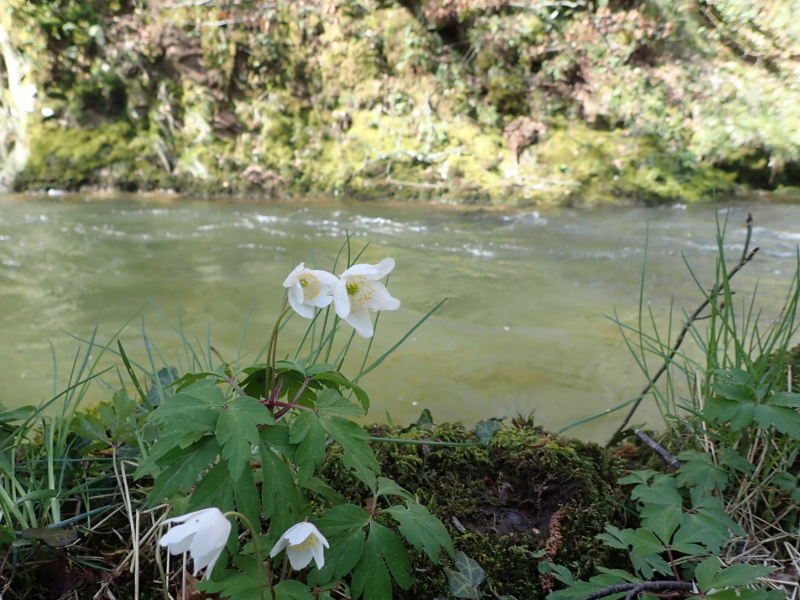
x=185 y=467
x=343 y=517
x=460 y=585
x=281 y=501
x=394 y=553
x=237 y=432
x=331 y=401
x=470 y=568
x=699 y=469
x=661 y=519
x=785 y=420
x=662 y=491
x=318 y=486
x=739 y=575
x=387 y=487
x=371 y=576
x=422 y=530
x=357 y=453
x=214 y=489
x=291 y=589
x=731 y=458
x=307 y=432
x=705 y=571
x=486 y=429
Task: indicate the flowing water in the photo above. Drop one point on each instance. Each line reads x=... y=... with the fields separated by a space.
x=524 y=328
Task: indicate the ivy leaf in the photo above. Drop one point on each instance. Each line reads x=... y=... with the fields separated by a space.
x=486 y=429
x=237 y=432
x=460 y=585
x=470 y=568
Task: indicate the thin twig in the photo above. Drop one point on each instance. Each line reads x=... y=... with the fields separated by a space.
x=662 y=452
x=635 y=588
x=747 y=256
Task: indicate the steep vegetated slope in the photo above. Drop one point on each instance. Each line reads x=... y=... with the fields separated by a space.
x=485 y=101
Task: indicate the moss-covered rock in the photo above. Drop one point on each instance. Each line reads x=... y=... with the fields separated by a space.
x=524 y=497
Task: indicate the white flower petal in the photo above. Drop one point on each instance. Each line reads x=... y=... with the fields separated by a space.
x=303 y=542
x=341 y=301
x=361 y=322
x=309 y=289
x=202 y=533
x=380 y=298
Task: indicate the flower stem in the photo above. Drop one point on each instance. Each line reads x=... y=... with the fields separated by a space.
x=272 y=350
x=259 y=560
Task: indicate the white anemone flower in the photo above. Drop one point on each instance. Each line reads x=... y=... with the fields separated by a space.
x=359 y=290
x=203 y=534
x=302 y=542
x=309 y=289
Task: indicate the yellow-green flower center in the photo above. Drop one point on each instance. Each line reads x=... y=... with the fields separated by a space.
x=306 y=544
x=310 y=285
x=352 y=287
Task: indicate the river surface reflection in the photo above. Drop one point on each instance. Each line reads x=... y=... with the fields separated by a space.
x=524 y=328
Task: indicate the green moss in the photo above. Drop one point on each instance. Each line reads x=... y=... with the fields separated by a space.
x=498 y=500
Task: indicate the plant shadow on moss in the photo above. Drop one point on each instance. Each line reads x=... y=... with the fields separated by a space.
x=502 y=501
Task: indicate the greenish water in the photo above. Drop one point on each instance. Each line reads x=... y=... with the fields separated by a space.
x=523 y=328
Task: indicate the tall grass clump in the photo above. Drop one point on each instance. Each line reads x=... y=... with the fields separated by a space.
x=716 y=511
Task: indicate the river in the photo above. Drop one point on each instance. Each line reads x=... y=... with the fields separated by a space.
x=525 y=327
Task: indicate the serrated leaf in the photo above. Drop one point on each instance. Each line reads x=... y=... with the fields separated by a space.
x=698 y=469
x=460 y=585
x=705 y=571
x=662 y=491
x=307 y=432
x=331 y=401
x=785 y=420
x=185 y=467
x=740 y=575
x=341 y=558
x=643 y=476
x=357 y=453
x=291 y=589
x=281 y=501
x=787 y=399
x=394 y=553
x=388 y=487
x=370 y=578
x=470 y=568
x=661 y=519
x=342 y=517
x=730 y=457
x=237 y=432
x=422 y=530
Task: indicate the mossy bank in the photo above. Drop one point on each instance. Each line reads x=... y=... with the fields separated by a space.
x=483 y=102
